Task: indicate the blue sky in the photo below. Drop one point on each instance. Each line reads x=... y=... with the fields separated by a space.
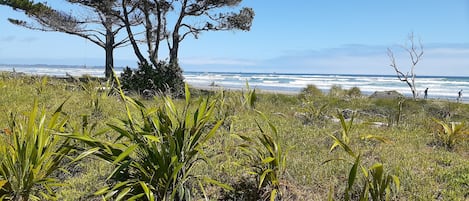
x=302 y=36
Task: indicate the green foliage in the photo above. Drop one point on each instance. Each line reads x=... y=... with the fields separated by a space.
x=268 y=159
x=96 y=94
x=393 y=109
x=440 y=174
x=226 y=107
x=457 y=181
x=30 y=154
x=312 y=113
x=164 y=78
x=337 y=91
x=29 y=7
x=345 y=132
x=354 y=92
x=249 y=97
x=377 y=182
x=311 y=91
x=154 y=157
x=448 y=134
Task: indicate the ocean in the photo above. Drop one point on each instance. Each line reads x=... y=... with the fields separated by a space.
x=440 y=87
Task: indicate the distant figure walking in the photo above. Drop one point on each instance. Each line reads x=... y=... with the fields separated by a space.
x=459 y=95
x=425 y=93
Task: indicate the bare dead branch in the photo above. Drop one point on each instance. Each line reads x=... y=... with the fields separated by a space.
x=415 y=53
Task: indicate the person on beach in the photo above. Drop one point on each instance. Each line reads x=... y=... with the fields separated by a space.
x=425 y=93
x=459 y=95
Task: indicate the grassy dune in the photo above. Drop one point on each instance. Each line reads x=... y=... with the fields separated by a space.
x=403 y=135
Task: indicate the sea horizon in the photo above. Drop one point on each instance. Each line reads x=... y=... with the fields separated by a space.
x=440 y=87
x=98 y=71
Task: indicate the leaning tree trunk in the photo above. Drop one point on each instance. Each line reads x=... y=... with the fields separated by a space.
x=412 y=88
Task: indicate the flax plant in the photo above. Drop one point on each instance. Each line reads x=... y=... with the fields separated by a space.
x=30 y=154
x=269 y=159
x=450 y=133
x=313 y=113
x=155 y=154
x=377 y=182
x=249 y=97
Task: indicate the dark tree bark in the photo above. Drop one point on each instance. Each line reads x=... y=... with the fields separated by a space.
x=109 y=49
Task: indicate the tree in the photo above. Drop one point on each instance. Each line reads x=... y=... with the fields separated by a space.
x=415 y=53
x=214 y=21
x=188 y=17
x=99 y=26
x=172 y=21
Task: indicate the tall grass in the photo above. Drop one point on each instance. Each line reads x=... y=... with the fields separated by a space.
x=129 y=133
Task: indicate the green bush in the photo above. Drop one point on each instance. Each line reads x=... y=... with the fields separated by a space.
x=337 y=91
x=354 y=92
x=310 y=91
x=165 y=78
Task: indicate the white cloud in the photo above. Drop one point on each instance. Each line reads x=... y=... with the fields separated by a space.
x=438 y=59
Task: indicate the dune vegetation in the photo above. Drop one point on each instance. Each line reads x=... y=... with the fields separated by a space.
x=84 y=140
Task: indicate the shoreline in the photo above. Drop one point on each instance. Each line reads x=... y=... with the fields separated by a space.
x=84 y=78
x=217 y=88
x=293 y=93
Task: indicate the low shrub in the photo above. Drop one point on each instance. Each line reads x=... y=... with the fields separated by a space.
x=354 y=92
x=310 y=91
x=337 y=91
x=164 y=78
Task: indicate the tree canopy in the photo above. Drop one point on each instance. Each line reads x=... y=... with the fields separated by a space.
x=174 y=20
x=99 y=25
x=148 y=24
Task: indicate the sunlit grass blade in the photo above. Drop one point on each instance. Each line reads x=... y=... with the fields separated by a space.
x=343 y=145
x=125 y=154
